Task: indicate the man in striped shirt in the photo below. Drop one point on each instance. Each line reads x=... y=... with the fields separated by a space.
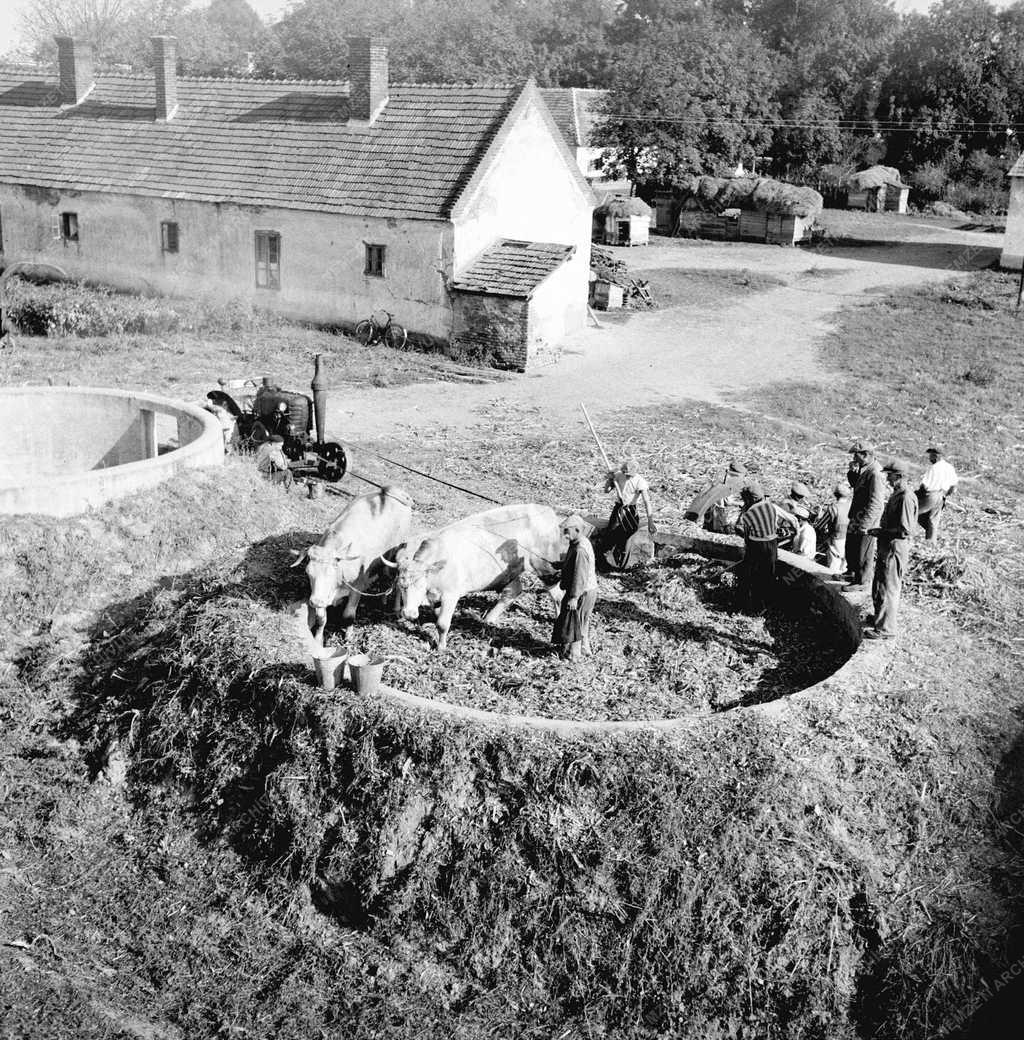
x=759 y=526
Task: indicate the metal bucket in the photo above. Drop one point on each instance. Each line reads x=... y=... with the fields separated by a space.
x=330 y=671
x=366 y=673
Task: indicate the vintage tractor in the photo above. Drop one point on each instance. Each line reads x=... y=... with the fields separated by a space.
x=271 y=410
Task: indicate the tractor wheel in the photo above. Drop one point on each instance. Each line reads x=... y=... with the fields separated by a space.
x=333 y=461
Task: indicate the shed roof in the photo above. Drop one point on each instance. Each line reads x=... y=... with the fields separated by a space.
x=513 y=268
x=254 y=142
x=576 y=111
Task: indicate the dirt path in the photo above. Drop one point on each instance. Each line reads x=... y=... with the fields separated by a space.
x=698 y=350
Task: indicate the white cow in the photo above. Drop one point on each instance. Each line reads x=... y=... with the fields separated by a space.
x=349 y=555
x=489 y=550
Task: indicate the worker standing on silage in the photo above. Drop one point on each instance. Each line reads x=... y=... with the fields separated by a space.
x=894 y=533
x=579 y=585
x=869 y=494
x=938 y=482
x=630 y=488
x=759 y=526
x=718 y=507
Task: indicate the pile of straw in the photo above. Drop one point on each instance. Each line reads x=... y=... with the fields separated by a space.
x=752 y=193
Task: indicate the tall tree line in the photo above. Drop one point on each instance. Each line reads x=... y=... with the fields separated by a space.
x=695 y=85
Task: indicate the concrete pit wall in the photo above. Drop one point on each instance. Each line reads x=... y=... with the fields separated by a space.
x=815 y=588
x=74 y=448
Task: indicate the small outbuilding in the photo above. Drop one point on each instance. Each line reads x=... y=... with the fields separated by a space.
x=510 y=303
x=754 y=209
x=877 y=189
x=623 y=221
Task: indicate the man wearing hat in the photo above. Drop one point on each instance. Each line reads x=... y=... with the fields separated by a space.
x=717 y=508
x=630 y=489
x=893 y=533
x=579 y=585
x=938 y=482
x=866 y=505
x=272 y=463
x=759 y=526
x=831 y=526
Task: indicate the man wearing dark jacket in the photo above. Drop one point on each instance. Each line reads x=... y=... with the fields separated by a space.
x=893 y=533
x=869 y=494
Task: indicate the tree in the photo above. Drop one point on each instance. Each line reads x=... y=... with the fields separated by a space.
x=695 y=96
x=94 y=21
x=944 y=84
x=221 y=38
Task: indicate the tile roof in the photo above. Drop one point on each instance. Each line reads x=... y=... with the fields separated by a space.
x=576 y=111
x=253 y=142
x=513 y=268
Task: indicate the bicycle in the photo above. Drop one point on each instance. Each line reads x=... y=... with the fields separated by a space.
x=370 y=331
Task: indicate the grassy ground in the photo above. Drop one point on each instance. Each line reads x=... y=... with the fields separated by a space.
x=855 y=872
x=206 y=344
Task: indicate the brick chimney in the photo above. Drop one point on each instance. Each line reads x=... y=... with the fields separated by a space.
x=74 y=62
x=165 y=64
x=368 y=78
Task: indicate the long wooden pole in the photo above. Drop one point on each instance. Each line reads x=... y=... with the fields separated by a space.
x=600 y=448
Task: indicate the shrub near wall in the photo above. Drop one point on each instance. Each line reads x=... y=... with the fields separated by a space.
x=688 y=884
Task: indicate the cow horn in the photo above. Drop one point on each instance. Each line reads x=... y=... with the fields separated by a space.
x=388 y=563
x=301 y=557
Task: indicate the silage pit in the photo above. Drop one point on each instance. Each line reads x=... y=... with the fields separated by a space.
x=668 y=643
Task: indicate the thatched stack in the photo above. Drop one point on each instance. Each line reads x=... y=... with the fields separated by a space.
x=875 y=177
x=624 y=206
x=752 y=193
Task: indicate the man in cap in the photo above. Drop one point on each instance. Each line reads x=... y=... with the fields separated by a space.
x=272 y=463
x=630 y=489
x=718 y=507
x=578 y=582
x=893 y=533
x=759 y=526
x=831 y=526
x=866 y=505
x=938 y=482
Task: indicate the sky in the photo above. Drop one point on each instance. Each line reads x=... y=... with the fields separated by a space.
x=10 y=11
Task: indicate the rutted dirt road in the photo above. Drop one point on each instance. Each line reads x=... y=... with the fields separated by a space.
x=697 y=349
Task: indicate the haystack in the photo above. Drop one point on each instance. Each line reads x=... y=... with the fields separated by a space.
x=621 y=206
x=716 y=194
x=875 y=177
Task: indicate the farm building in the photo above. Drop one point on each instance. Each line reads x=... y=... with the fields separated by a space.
x=323 y=201
x=752 y=209
x=622 y=221
x=1013 y=241
x=877 y=189
x=576 y=112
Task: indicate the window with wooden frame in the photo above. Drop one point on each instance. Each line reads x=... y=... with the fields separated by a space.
x=67 y=227
x=375 y=257
x=169 y=236
x=268 y=260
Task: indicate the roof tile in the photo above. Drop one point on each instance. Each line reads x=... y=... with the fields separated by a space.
x=513 y=268
x=266 y=142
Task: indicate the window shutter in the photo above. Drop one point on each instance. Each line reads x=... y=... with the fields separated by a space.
x=55 y=227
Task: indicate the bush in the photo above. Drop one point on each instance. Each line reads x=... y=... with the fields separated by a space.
x=929 y=182
x=77 y=309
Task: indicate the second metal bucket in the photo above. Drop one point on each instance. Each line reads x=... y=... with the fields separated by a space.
x=365 y=672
